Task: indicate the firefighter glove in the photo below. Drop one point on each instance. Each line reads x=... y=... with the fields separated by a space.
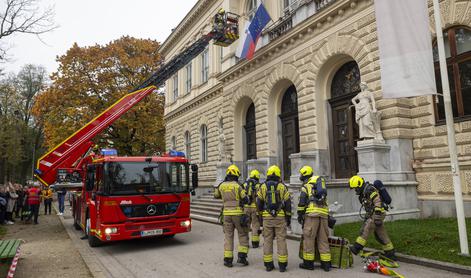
x=288 y=220
x=331 y=221
x=301 y=216
x=378 y=222
x=244 y=220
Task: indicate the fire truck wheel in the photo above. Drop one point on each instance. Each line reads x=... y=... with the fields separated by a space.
x=169 y=236
x=77 y=226
x=93 y=241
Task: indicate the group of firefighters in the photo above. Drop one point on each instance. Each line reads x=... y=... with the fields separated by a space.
x=249 y=206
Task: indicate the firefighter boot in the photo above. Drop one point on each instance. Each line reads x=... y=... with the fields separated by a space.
x=356 y=248
x=228 y=262
x=242 y=259
x=283 y=266
x=269 y=266
x=255 y=244
x=390 y=254
x=307 y=265
x=326 y=266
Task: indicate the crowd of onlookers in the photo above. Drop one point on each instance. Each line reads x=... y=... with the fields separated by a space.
x=23 y=202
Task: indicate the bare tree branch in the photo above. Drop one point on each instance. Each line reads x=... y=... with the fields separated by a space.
x=24 y=16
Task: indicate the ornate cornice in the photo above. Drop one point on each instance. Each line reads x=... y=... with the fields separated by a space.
x=193 y=103
x=300 y=33
x=183 y=27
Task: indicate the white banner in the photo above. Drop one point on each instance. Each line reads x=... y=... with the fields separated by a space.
x=405 y=48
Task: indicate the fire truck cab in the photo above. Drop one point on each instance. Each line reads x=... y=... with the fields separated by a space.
x=134 y=197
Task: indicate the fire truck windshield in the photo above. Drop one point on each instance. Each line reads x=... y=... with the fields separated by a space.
x=132 y=178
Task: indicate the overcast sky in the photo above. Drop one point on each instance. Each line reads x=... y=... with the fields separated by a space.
x=89 y=22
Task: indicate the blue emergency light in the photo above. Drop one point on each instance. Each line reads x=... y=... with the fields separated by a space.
x=109 y=152
x=174 y=153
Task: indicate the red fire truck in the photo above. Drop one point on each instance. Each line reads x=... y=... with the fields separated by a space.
x=118 y=198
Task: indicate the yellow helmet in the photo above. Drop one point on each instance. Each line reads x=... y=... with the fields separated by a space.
x=233 y=170
x=221 y=11
x=274 y=170
x=306 y=171
x=356 y=182
x=254 y=174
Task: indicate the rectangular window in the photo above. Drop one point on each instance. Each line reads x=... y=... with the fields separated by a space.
x=188 y=78
x=175 y=87
x=205 y=66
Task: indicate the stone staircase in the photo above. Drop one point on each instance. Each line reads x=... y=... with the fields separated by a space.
x=206 y=208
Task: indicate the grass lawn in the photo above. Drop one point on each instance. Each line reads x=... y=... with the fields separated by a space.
x=3 y=231
x=435 y=239
x=4 y=265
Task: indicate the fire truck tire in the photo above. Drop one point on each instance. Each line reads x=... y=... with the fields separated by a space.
x=77 y=226
x=169 y=236
x=93 y=241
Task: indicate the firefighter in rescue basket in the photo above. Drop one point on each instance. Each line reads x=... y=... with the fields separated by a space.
x=375 y=199
x=251 y=187
x=313 y=213
x=274 y=204
x=234 y=198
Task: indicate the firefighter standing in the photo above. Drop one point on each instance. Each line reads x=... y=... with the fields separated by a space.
x=233 y=198
x=370 y=198
x=274 y=203
x=313 y=214
x=251 y=187
x=46 y=195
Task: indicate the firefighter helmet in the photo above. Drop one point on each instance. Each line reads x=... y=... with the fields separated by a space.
x=233 y=170
x=221 y=11
x=306 y=171
x=274 y=171
x=356 y=182
x=254 y=174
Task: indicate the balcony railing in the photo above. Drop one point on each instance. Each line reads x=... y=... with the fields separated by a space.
x=291 y=17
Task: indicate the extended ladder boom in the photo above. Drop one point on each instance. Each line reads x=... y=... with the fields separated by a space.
x=70 y=151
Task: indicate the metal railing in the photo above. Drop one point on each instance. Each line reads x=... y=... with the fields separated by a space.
x=285 y=23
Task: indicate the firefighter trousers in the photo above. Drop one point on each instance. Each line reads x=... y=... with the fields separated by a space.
x=316 y=230
x=274 y=228
x=375 y=224
x=232 y=223
x=254 y=223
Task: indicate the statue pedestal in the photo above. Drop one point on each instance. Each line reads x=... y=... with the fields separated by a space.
x=374 y=159
x=318 y=160
x=221 y=168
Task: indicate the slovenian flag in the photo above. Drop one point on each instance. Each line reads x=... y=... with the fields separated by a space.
x=252 y=33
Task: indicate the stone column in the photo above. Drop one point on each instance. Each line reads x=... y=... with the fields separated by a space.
x=258 y=164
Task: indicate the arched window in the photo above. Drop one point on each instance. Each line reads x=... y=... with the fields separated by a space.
x=458 y=60
x=204 y=143
x=252 y=6
x=173 y=141
x=250 y=133
x=289 y=128
x=188 y=144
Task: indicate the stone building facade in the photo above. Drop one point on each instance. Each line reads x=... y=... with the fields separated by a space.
x=291 y=104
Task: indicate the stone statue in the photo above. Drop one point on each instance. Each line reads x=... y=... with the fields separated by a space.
x=222 y=145
x=366 y=115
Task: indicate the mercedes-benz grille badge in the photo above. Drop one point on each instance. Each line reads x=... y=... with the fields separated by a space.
x=151 y=209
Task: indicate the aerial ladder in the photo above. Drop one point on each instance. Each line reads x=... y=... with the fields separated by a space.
x=61 y=161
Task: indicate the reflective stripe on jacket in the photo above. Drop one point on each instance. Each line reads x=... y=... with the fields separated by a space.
x=33 y=196
x=232 y=195
x=284 y=205
x=308 y=204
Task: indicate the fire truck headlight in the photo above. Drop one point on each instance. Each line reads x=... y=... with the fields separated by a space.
x=111 y=231
x=185 y=224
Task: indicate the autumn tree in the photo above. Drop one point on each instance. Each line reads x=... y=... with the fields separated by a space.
x=23 y=16
x=89 y=80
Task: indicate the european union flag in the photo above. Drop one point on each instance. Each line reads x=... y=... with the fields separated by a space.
x=259 y=22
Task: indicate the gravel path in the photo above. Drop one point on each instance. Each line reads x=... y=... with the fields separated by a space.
x=47 y=250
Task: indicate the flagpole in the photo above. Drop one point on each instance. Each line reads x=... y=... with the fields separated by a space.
x=455 y=169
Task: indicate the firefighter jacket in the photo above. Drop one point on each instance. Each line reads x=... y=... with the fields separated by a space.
x=233 y=197
x=46 y=194
x=273 y=199
x=371 y=200
x=251 y=187
x=313 y=199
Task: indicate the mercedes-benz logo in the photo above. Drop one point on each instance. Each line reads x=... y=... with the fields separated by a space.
x=151 y=209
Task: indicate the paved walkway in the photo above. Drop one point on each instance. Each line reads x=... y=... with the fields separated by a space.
x=47 y=250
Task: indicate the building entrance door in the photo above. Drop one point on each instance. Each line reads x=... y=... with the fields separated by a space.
x=250 y=134
x=345 y=85
x=289 y=129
